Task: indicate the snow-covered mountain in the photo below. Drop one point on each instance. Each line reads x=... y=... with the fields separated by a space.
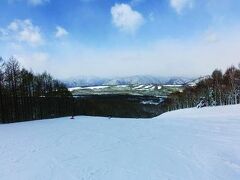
x=136 y=80
x=194 y=82
x=84 y=81
x=178 y=81
x=95 y=81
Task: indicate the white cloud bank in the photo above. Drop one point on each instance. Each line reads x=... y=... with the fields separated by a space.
x=125 y=18
x=23 y=40
x=171 y=57
x=60 y=32
x=180 y=5
x=22 y=31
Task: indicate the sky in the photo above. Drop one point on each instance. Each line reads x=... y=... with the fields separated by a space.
x=107 y=38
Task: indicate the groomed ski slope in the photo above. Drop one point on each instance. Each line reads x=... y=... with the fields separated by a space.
x=190 y=144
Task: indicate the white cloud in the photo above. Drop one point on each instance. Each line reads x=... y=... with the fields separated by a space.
x=125 y=18
x=22 y=31
x=13 y=26
x=60 y=32
x=180 y=5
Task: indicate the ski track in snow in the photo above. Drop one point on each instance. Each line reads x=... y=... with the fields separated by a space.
x=191 y=144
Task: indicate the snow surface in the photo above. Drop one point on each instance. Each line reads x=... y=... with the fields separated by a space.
x=74 y=88
x=139 y=86
x=190 y=144
x=172 y=85
x=88 y=87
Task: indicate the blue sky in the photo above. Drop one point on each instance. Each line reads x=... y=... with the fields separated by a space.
x=121 y=38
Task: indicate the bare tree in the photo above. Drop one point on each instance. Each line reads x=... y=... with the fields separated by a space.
x=217 y=77
x=230 y=79
x=1 y=88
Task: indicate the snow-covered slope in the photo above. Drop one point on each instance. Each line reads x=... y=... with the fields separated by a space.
x=192 y=144
x=194 y=82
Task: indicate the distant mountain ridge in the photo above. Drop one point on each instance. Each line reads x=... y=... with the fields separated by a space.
x=194 y=82
x=96 y=81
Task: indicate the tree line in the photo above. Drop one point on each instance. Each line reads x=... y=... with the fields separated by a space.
x=25 y=95
x=217 y=89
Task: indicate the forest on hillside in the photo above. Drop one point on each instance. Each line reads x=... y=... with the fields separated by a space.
x=26 y=96
x=217 y=89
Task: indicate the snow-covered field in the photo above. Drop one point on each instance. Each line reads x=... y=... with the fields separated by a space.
x=89 y=87
x=191 y=144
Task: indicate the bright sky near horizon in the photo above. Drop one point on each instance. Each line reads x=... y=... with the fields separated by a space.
x=121 y=37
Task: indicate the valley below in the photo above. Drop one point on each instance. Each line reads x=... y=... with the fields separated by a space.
x=131 y=101
x=138 y=90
